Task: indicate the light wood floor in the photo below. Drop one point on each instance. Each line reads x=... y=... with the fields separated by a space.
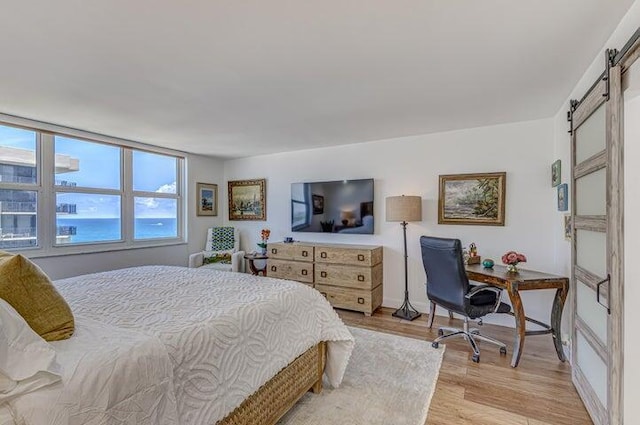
x=538 y=392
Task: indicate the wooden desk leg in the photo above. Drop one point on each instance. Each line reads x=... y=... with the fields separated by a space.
x=518 y=313
x=556 y=320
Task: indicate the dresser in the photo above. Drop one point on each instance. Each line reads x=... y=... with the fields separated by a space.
x=349 y=276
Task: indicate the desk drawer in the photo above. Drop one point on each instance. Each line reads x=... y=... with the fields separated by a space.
x=362 y=300
x=351 y=256
x=291 y=251
x=349 y=276
x=293 y=270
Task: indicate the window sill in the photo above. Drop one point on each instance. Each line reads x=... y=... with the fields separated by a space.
x=61 y=251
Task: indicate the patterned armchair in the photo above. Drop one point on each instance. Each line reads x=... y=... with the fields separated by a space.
x=221 y=252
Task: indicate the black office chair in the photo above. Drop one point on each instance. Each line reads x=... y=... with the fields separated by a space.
x=448 y=286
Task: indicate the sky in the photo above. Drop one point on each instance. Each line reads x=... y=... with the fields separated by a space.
x=99 y=167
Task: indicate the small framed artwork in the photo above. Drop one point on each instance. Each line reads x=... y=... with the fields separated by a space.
x=563 y=197
x=556 y=173
x=472 y=199
x=206 y=199
x=318 y=204
x=247 y=200
x=567 y=227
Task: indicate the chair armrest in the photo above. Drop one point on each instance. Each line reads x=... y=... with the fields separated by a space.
x=196 y=260
x=482 y=288
x=237 y=262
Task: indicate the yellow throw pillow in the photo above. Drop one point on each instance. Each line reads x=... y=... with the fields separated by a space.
x=30 y=292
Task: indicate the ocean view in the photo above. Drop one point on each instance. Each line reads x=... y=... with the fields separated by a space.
x=106 y=229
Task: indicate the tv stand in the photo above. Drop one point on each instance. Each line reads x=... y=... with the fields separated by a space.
x=349 y=276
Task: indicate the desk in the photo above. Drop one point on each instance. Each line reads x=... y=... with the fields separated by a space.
x=526 y=280
x=254 y=270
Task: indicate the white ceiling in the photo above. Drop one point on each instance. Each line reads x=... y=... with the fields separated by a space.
x=237 y=78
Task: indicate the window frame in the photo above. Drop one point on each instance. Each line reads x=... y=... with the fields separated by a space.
x=46 y=220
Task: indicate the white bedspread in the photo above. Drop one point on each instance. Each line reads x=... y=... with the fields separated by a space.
x=221 y=335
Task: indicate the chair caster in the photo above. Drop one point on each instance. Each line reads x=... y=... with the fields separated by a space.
x=503 y=350
x=476 y=358
x=435 y=344
x=440 y=332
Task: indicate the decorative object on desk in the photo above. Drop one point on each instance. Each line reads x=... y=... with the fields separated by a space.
x=346 y=217
x=568 y=228
x=206 y=199
x=404 y=209
x=247 y=200
x=556 y=174
x=318 y=204
x=264 y=237
x=488 y=263
x=472 y=199
x=563 y=197
x=288 y=239
x=512 y=259
x=473 y=257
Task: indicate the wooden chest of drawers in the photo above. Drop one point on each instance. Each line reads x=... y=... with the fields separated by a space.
x=349 y=276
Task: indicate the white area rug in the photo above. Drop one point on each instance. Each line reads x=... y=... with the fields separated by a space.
x=389 y=381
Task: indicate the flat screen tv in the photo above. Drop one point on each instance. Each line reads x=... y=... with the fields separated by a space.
x=341 y=206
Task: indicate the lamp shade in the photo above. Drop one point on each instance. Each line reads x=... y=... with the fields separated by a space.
x=404 y=208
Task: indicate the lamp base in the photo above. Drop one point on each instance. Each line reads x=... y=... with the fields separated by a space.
x=406 y=312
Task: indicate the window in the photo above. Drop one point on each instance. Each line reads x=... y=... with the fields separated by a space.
x=67 y=193
x=18 y=188
x=155 y=179
x=88 y=191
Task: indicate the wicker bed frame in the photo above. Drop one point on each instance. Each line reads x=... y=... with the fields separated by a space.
x=272 y=400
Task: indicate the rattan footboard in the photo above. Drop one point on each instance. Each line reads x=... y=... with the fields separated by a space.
x=267 y=405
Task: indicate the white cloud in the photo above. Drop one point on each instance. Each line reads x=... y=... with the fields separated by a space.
x=167 y=188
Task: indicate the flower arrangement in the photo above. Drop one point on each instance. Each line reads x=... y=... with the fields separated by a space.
x=264 y=237
x=512 y=259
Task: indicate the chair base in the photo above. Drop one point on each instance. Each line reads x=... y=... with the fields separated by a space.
x=470 y=335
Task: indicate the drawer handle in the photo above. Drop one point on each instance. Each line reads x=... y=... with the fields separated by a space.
x=274 y=268
x=360 y=300
x=360 y=257
x=323 y=274
x=304 y=272
x=274 y=250
x=324 y=294
x=323 y=255
x=360 y=278
x=305 y=254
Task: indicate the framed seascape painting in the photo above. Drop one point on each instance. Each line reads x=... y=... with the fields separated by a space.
x=476 y=199
x=247 y=200
x=563 y=197
x=206 y=199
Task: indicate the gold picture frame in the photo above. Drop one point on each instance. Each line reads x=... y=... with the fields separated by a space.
x=472 y=199
x=206 y=199
x=247 y=200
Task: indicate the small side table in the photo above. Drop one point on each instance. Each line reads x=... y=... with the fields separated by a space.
x=254 y=270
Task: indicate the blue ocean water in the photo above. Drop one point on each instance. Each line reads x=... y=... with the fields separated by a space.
x=108 y=229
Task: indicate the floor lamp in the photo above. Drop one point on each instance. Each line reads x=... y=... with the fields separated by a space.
x=404 y=209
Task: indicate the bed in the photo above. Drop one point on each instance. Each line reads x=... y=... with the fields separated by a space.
x=171 y=345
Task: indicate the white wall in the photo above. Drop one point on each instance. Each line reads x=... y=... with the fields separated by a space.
x=623 y=32
x=199 y=169
x=411 y=166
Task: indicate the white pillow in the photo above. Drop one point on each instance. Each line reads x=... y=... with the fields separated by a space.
x=27 y=362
